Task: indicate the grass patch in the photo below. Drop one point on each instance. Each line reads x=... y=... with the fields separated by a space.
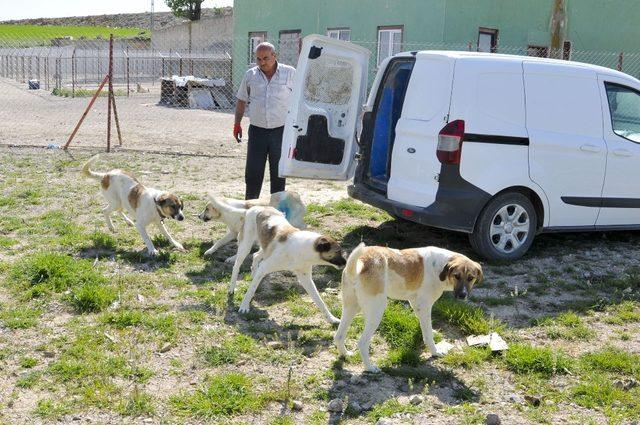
x=67 y=92
x=468 y=357
x=166 y=325
x=526 y=359
x=91 y=297
x=49 y=409
x=28 y=362
x=20 y=317
x=599 y=392
x=136 y=404
x=102 y=241
x=611 y=359
x=41 y=35
x=625 y=312
x=230 y=351
x=400 y=328
x=47 y=272
x=469 y=319
x=389 y=408
x=222 y=395
x=567 y=326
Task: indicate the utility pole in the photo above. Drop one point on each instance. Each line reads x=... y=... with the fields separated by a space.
x=151 y=27
x=558 y=29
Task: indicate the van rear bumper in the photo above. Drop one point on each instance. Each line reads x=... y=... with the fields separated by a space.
x=452 y=210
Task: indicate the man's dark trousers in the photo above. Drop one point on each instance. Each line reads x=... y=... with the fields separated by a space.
x=263 y=143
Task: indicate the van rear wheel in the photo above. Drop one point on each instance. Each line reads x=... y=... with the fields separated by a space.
x=505 y=228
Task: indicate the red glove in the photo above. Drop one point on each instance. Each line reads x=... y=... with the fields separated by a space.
x=237 y=132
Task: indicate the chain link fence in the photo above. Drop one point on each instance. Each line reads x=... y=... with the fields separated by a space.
x=183 y=76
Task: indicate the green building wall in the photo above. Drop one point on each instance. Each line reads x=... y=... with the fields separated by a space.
x=598 y=29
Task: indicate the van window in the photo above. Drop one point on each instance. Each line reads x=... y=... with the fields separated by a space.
x=624 y=107
x=387 y=110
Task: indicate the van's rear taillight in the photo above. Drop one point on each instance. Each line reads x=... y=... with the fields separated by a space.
x=450 y=142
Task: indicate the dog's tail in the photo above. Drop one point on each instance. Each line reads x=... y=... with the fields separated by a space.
x=222 y=206
x=352 y=261
x=87 y=172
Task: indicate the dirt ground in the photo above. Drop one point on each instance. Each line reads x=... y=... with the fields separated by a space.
x=191 y=152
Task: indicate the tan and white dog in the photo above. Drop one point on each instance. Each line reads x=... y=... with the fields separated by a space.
x=124 y=193
x=283 y=247
x=419 y=275
x=232 y=211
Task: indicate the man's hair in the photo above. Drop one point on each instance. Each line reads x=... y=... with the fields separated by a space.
x=266 y=45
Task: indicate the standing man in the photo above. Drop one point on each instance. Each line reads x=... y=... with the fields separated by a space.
x=267 y=89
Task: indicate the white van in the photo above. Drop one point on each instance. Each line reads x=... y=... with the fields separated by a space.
x=500 y=147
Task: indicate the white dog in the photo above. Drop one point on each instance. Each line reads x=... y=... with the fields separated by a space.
x=418 y=275
x=283 y=247
x=124 y=192
x=232 y=211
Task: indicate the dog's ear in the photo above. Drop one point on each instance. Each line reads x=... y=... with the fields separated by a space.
x=323 y=244
x=445 y=271
x=480 y=277
x=162 y=199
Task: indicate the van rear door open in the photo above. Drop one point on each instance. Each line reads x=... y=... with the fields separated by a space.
x=329 y=90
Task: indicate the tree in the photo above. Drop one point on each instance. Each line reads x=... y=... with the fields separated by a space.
x=189 y=9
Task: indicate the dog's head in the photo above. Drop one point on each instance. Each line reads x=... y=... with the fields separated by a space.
x=170 y=206
x=462 y=274
x=209 y=213
x=329 y=251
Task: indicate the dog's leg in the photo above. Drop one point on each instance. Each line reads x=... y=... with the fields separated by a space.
x=166 y=234
x=263 y=269
x=244 y=248
x=350 y=308
x=423 y=311
x=127 y=219
x=255 y=262
x=145 y=237
x=373 y=309
x=107 y=216
x=228 y=237
x=307 y=283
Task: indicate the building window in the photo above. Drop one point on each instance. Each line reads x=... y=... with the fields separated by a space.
x=343 y=34
x=566 y=50
x=487 y=40
x=389 y=42
x=289 y=49
x=538 y=51
x=255 y=38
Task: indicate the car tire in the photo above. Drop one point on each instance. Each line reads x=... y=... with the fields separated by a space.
x=505 y=228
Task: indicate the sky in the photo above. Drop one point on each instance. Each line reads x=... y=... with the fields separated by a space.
x=13 y=9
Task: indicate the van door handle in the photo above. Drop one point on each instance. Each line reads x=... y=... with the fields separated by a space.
x=622 y=152
x=590 y=148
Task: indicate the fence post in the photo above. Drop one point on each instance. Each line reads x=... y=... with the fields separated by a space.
x=22 y=59
x=73 y=73
x=620 y=61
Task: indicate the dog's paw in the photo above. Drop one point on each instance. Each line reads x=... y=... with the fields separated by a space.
x=230 y=260
x=373 y=369
x=153 y=253
x=209 y=252
x=346 y=353
x=438 y=353
x=333 y=320
x=243 y=309
x=180 y=248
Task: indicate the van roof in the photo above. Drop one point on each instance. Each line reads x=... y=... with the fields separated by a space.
x=499 y=57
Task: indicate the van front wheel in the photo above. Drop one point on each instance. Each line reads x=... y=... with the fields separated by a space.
x=505 y=228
